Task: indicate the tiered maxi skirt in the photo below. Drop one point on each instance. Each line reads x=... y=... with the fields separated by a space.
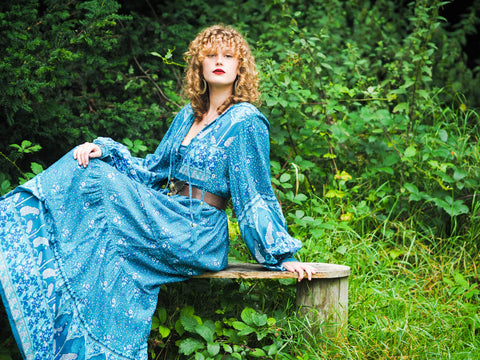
x=83 y=253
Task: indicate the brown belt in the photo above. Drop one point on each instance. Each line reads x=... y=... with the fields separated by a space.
x=182 y=188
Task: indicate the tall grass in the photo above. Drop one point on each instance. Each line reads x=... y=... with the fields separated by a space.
x=406 y=301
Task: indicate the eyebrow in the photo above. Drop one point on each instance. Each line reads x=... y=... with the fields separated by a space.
x=216 y=44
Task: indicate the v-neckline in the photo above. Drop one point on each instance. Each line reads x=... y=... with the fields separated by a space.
x=202 y=130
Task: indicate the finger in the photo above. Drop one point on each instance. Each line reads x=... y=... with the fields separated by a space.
x=300 y=274
x=83 y=156
x=309 y=273
x=78 y=153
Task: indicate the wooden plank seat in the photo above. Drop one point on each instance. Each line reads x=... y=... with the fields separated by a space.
x=323 y=299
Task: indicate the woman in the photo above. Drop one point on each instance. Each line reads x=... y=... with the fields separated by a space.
x=86 y=245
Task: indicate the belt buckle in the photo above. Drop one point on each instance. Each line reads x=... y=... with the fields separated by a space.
x=175 y=187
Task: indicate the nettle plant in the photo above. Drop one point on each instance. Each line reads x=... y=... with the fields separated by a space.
x=254 y=335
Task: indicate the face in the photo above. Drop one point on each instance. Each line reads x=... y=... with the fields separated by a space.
x=220 y=67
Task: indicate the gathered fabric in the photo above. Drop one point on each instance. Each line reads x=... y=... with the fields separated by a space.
x=84 y=251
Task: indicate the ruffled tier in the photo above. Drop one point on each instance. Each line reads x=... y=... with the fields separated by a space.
x=84 y=253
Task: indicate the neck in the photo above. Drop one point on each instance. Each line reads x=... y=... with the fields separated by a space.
x=218 y=95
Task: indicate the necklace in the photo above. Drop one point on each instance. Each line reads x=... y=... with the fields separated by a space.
x=207 y=120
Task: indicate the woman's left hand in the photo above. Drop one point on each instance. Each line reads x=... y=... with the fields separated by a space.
x=83 y=153
x=300 y=268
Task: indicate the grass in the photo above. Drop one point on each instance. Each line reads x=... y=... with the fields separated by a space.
x=411 y=296
x=411 y=300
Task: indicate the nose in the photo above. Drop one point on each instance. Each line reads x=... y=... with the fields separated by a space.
x=219 y=60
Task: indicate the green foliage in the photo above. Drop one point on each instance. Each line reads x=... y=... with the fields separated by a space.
x=254 y=335
x=26 y=147
x=373 y=107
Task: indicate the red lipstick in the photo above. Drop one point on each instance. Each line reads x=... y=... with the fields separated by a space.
x=218 y=71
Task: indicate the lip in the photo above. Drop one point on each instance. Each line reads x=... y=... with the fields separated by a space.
x=218 y=71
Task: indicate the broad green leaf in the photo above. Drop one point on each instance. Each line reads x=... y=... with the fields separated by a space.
x=299 y=214
x=411 y=188
x=187 y=310
x=213 y=349
x=189 y=346
x=190 y=322
x=411 y=151
x=155 y=322
x=401 y=107
x=342 y=249
x=179 y=327
x=260 y=319
x=248 y=315
x=162 y=314
x=199 y=356
x=206 y=331
x=36 y=168
x=227 y=348
x=301 y=197
x=452 y=208
x=459 y=174
x=443 y=135
x=243 y=328
x=285 y=177
x=164 y=331
x=258 y=353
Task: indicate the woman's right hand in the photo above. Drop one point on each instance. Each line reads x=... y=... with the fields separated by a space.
x=83 y=153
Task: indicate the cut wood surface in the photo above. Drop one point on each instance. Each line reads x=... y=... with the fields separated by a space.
x=257 y=271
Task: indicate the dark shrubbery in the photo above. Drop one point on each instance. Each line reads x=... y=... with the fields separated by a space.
x=375 y=127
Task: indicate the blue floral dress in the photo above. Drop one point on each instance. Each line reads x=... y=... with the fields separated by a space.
x=84 y=251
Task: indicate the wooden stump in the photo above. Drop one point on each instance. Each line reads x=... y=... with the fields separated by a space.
x=324 y=299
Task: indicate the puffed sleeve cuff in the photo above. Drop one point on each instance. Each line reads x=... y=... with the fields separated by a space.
x=279 y=266
x=106 y=153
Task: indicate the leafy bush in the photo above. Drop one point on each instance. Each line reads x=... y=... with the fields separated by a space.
x=375 y=128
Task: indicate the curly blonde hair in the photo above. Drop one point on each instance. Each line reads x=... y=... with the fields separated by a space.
x=245 y=86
